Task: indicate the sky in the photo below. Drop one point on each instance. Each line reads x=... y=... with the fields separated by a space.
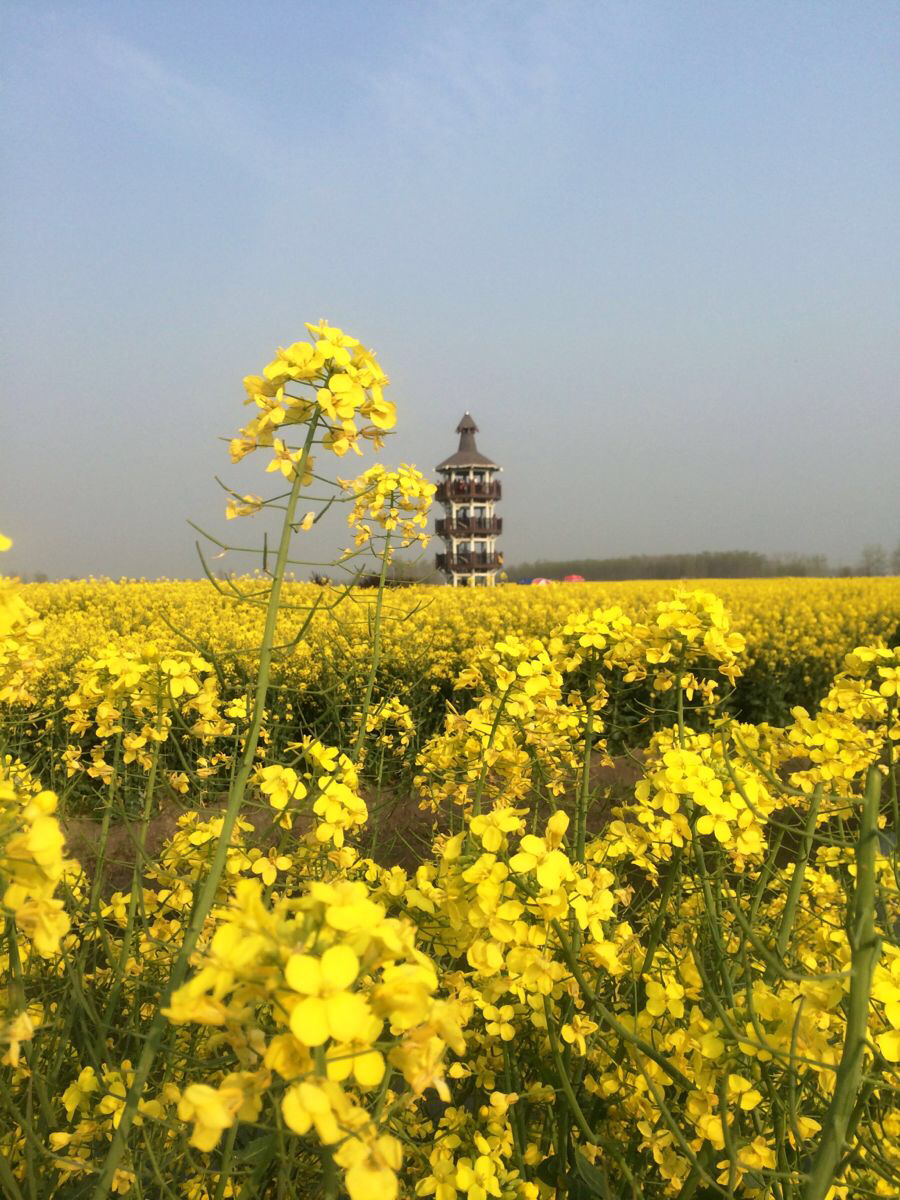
x=654 y=248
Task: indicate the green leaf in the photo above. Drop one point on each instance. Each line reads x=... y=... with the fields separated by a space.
x=594 y=1181
x=261 y=1150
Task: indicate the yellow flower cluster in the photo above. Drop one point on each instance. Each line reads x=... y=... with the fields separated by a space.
x=391 y=726
x=665 y=641
x=332 y=983
x=20 y=631
x=31 y=858
x=797 y=633
x=343 y=384
x=845 y=736
x=331 y=783
x=520 y=729
x=125 y=705
x=530 y=718
x=398 y=501
x=695 y=787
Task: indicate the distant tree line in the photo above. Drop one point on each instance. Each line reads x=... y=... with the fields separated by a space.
x=709 y=564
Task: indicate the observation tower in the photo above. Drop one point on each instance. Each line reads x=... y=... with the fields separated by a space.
x=469 y=491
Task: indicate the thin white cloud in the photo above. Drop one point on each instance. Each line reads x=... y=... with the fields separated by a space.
x=167 y=101
x=471 y=70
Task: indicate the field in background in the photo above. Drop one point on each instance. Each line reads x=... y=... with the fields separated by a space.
x=797 y=633
x=586 y=724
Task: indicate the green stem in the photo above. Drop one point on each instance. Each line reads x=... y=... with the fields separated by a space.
x=207 y=893
x=104 y=828
x=865 y=947
x=330 y=1180
x=563 y=1075
x=515 y=1115
x=376 y=651
x=485 y=767
x=656 y=933
x=696 y=1175
x=9 y=1180
x=225 y=1167
x=15 y=982
x=136 y=876
x=17 y=997
x=585 y=789
x=796 y=886
x=600 y=1009
x=892 y=769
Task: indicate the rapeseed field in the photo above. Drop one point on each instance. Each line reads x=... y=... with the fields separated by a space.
x=689 y=987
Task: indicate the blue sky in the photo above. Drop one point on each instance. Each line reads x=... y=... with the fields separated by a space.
x=653 y=247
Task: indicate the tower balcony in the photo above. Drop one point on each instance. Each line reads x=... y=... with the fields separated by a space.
x=468 y=526
x=467 y=489
x=466 y=562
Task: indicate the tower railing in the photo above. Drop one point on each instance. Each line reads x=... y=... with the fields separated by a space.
x=467 y=489
x=468 y=526
x=464 y=563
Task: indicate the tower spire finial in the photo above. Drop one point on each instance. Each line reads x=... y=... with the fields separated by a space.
x=467 y=430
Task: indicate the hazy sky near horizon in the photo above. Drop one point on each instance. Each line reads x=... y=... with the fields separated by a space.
x=653 y=247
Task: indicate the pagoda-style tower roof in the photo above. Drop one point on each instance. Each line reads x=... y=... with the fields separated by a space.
x=468 y=454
